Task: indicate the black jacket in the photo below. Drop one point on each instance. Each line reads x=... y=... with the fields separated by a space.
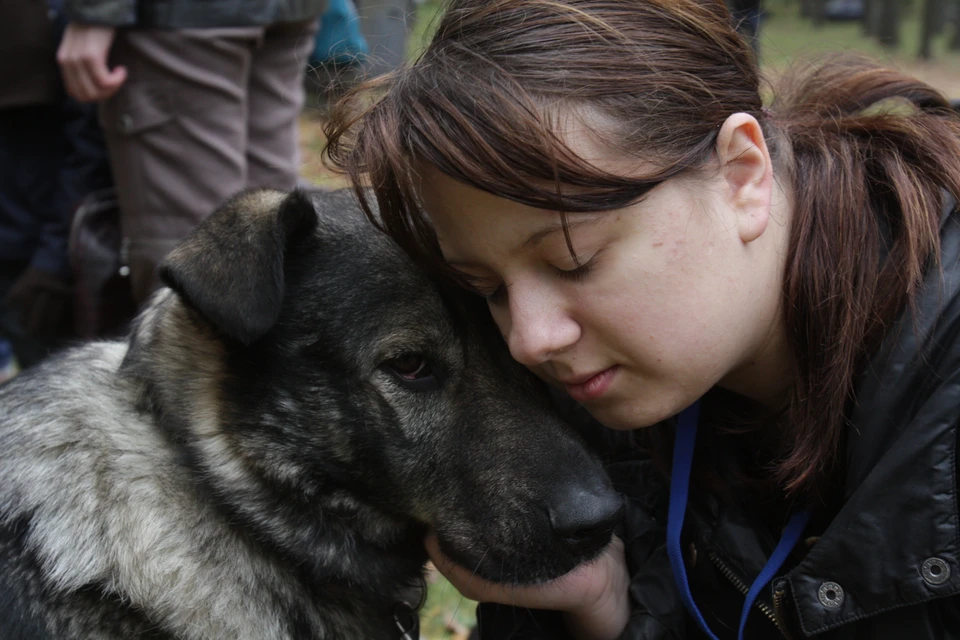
x=887 y=566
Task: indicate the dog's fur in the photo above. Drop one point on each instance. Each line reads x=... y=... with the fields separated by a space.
x=261 y=459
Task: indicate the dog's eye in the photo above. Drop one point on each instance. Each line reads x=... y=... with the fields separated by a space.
x=410 y=366
x=414 y=371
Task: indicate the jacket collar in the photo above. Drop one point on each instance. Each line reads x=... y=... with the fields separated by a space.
x=895 y=541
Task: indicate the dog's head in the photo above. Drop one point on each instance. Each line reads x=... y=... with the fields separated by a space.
x=356 y=397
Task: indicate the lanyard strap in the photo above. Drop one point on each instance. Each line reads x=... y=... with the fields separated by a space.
x=684 y=441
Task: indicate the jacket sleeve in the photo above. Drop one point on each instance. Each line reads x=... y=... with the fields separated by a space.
x=115 y=13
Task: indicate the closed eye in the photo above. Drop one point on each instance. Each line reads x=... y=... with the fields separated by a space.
x=494 y=291
x=578 y=273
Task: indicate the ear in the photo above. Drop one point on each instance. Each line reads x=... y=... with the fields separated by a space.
x=230 y=269
x=748 y=173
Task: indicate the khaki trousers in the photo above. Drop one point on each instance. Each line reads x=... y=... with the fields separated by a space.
x=204 y=113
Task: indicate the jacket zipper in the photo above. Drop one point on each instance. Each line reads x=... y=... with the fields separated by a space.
x=772 y=613
x=779 y=592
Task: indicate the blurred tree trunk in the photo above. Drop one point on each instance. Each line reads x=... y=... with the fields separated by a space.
x=867 y=21
x=955 y=41
x=814 y=9
x=819 y=12
x=928 y=27
x=888 y=23
x=940 y=16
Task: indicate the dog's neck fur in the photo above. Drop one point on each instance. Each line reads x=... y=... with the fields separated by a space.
x=310 y=538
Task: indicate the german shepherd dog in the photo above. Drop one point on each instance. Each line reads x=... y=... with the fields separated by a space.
x=264 y=454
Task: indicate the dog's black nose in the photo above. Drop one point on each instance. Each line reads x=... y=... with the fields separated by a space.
x=582 y=519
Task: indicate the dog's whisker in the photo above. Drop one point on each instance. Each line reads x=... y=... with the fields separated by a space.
x=453 y=616
x=443 y=589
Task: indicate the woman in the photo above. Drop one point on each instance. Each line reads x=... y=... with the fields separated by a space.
x=653 y=240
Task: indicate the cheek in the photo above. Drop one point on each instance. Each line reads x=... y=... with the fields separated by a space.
x=654 y=311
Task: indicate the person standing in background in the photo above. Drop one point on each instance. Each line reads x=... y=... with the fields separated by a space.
x=197 y=101
x=51 y=155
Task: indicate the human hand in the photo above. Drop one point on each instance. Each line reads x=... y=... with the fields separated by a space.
x=593 y=596
x=83 y=60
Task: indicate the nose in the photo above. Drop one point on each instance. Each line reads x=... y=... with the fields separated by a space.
x=583 y=519
x=535 y=325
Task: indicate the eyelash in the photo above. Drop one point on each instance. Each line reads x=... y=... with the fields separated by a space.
x=498 y=296
x=577 y=274
x=470 y=284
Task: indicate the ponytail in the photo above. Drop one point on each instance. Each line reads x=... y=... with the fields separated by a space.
x=869 y=154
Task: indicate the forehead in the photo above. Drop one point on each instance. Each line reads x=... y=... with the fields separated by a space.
x=471 y=221
x=472 y=224
x=581 y=133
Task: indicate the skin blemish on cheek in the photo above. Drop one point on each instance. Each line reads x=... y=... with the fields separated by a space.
x=658 y=240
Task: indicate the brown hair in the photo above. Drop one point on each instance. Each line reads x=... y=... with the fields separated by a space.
x=865 y=174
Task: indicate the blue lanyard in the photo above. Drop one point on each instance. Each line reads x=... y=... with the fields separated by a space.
x=686 y=437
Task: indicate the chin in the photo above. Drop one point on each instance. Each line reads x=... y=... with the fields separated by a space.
x=635 y=414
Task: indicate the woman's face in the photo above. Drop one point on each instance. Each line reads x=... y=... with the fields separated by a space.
x=676 y=293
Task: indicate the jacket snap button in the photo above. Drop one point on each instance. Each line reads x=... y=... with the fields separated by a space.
x=126 y=123
x=831 y=595
x=935 y=571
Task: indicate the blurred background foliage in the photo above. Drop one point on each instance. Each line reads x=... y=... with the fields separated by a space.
x=898 y=32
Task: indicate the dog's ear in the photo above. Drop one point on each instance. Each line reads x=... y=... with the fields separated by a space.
x=231 y=267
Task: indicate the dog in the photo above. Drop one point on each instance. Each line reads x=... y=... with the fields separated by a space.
x=263 y=456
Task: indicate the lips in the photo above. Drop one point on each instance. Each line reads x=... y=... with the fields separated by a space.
x=592 y=386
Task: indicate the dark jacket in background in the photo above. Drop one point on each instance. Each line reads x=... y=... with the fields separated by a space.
x=28 y=64
x=886 y=567
x=51 y=151
x=184 y=14
x=52 y=155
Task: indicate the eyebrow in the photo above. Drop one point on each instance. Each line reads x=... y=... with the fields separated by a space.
x=536 y=237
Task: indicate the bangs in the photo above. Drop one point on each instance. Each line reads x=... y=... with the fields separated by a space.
x=492 y=135
x=483 y=103
x=486 y=133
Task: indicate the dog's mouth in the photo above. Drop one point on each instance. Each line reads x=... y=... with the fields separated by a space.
x=530 y=536
x=531 y=561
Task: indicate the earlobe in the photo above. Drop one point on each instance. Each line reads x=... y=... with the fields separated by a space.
x=747 y=172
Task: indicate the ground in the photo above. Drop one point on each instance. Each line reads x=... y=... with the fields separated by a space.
x=785 y=38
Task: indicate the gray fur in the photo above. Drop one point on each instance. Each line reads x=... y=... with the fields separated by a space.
x=246 y=465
